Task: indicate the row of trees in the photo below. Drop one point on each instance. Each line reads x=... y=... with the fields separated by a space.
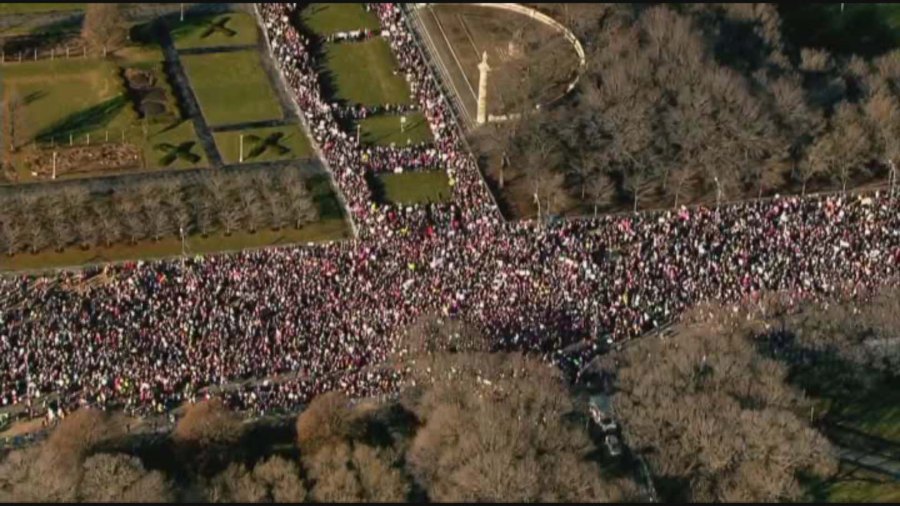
x=679 y=103
x=74 y=215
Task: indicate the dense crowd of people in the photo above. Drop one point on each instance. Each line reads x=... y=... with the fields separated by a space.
x=359 y=111
x=275 y=327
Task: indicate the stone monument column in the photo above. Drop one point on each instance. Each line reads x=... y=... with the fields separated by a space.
x=483 y=69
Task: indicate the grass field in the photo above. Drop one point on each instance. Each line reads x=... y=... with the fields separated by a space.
x=230 y=29
x=876 y=413
x=232 y=87
x=264 y=144
x=67 y=96
x=36 y=7
x=414 y=187
x=384 y=130
x=325 y=19
x=81 y=97
x=853 y=485
x=363 y=73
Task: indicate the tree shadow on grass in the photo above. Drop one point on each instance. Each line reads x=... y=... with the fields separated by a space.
x=379 y=192
x=861 y=29
x=203 y=25
x=44 y=36
x=34 y=97
x=84 y=121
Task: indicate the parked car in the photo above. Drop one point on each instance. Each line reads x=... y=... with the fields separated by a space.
x=600 y=412
x=613 y=445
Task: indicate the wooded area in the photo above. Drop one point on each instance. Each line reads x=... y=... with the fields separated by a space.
x=696 y=103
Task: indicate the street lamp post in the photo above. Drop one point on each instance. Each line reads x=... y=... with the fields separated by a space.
x=718 y=192
x=241 y=156
x=183 y=248
x=54 y=165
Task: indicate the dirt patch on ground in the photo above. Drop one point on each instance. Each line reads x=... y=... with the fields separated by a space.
x=106 y=157
x=23 y=427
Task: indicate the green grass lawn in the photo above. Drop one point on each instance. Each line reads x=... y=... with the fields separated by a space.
x=67 y=96
x=866 y=29
x=325 y=19
x=384 y=130
x=264 y=144
x=362 y=73
x=36 y=7
x=229 y=29
x=81 y=97
x=876 y=413
x=414 y=187
x=853 y=485
x=232 y=87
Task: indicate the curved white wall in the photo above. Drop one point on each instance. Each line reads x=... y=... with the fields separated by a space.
x=541 y=18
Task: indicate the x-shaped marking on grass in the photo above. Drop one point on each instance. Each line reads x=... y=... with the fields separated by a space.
x=262 y=144
x=218 y=26
x=173 y=152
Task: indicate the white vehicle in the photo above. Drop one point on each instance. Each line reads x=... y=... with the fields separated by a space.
x=600 y=412
x=613 y=445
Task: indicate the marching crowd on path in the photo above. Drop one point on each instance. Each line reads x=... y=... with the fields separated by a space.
x=159 y=333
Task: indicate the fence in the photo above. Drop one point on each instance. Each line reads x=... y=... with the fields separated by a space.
x=56 y=53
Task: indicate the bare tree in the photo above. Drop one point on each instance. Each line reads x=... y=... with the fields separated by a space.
x=354 y=472
x=497 y=427
x=12 y=229
x=16 y=118
x=109 y=226
x=129 y=211
x=206 y=423
x=326 y=420
x=104 y=27
x=35 y=213
x=706 y=408
x=883 y=111
x=123 y=479
x=250 y=206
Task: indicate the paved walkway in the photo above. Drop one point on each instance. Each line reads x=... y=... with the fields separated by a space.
x=189 y=100
x=217 y=49
x=254 y=124
x=875 y=463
